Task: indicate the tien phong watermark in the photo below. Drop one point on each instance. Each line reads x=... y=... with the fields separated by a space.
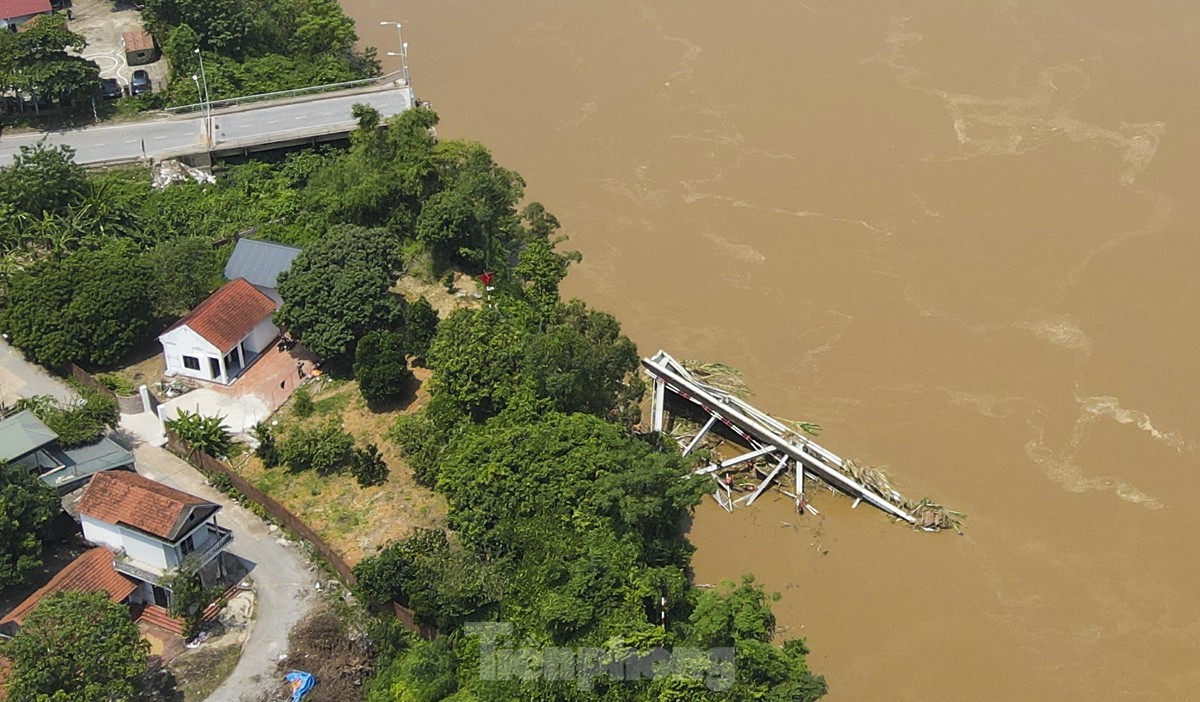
x=498 y=661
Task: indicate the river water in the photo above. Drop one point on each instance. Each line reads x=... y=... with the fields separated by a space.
x=960 y=236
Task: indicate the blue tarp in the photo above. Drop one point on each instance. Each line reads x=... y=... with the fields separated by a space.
x=301 y=684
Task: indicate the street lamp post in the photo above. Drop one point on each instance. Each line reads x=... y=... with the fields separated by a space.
x=205 y=100
x=403 y=55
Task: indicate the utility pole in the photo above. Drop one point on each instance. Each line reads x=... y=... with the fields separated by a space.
x=403 y=55
x=206 y=101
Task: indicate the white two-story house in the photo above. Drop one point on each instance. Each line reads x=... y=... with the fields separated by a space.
x=151 y=529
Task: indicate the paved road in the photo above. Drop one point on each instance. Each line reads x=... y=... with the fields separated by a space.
x=251 y=125
x=284 y=579
x=20 y=378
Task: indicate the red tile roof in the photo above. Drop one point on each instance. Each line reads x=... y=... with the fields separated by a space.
x=122 y=497
x=91 y=572
x=228 y=315
x=19 y=8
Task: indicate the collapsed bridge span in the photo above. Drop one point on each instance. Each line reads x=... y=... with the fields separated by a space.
x=785 y=450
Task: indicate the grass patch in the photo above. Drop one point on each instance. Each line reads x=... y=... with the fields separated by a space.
x=355 y=521
x=198 y=673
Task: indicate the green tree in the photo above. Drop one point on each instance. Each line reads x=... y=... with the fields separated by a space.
x=36 y=60
x=189 y=597
x=338 y=289
x=183 y=272
x=386 y=175
x=91 y=307
x=473 y=219
x=207 y=434
x=381 y=366
x=420 y=327
x=42 y=179
x=76 y=423
x=445 y=584
x=267 y=450
x=26 y=507
x=325 y=449
x=368 y=466
x=79 y=647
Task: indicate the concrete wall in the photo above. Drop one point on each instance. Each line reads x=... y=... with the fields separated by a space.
x=100 y=533
x=262 y=336
x=182 y=341
x=138 y=546
x=148 y=550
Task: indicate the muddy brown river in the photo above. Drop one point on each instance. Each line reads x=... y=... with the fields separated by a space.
x=963 y=237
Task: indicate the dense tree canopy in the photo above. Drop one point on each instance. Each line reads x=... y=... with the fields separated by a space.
x=256 y=47
x=79 y=647
x=339 y=289
x=381 y=366
x=35 y=60
x=26 y=507
x=90 y=307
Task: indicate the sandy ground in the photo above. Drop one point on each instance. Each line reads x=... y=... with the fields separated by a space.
x=102 y=23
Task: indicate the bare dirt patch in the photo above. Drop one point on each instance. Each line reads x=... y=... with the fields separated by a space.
x=444 y=301
x=355 y=521
x=198 y=672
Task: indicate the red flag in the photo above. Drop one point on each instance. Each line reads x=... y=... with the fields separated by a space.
x=487 y=278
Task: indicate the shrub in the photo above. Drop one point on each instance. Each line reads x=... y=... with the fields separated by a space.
x=208 y=434
x=368 y=466
x=267 y=451
x=302 y=403
x=325 y=449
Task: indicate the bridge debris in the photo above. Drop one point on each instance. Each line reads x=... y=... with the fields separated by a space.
x=716 y=393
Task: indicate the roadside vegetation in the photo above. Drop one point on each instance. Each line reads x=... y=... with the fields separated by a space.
x=256 y=47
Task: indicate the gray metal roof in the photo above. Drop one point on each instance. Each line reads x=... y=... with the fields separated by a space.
x=23 y=433
x=259 y=262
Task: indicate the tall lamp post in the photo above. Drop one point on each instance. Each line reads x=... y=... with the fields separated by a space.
x=207 y=102
x=403 y=55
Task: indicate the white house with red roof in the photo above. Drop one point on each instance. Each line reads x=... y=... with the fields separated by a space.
x=151 y=528
x=219 y=339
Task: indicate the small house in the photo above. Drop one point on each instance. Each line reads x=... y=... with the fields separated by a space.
x=219 y=339
x=26 y=442
x=139 y=47
x=260 y=263
x=150 y=529
x=13 y=13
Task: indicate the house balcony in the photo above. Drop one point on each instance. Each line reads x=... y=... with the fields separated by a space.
x=137 y=570
x=218 y=539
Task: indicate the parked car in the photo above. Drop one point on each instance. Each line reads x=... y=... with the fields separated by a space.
x=140 y=83
x=110 y=89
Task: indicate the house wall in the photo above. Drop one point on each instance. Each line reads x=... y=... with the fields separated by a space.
x=149 y=550
x=100 y=533
x=182 y=341
x=140 y=547
x=261 y=337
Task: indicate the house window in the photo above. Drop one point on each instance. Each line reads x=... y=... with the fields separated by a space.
x=191 y=363
x=187 y=546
